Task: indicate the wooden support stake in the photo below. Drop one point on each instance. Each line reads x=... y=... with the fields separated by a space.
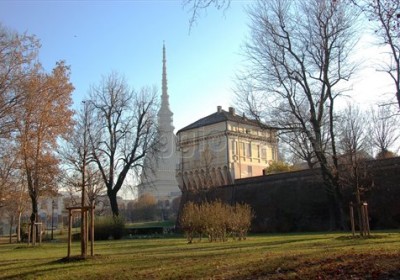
x=29 y=234
x=86 y=229
x=69 y=232
x=367 y=229
x=39 y=226
x=353 y=230
x=34 y=234
x=92 y=231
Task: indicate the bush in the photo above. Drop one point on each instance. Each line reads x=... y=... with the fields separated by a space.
x=215 y=220
x=191 y=221
x=278 y=167
x=108 y=228
x=240 y=221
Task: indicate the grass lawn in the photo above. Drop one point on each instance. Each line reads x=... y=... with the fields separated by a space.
x=283 y=256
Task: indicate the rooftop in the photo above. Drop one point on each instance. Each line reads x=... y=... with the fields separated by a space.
x=223 y=116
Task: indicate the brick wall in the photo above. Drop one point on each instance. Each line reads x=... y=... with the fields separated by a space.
x=296 y=201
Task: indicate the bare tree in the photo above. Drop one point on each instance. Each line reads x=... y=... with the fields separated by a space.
x=299 y=54
x=384 y=130
x=124 y=130
x=386 y=13
x=294 y=136
x=81 y=173
x=207 y=161
x=80 y=167
x=299 y=147
x=18 y=54
x=353 y=135
x=290 y=132
x=354 y=145
x=195 y=7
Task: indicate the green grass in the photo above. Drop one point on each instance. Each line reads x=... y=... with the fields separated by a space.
x=151 y=224
x=285 y=256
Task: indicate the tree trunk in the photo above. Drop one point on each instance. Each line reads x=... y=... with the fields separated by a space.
x=398 y=97
x=11 y=226
x=335 y=197
x=112 y=195
x=19 y=227
x=34 y=216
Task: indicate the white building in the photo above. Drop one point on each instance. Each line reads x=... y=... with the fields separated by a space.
x=222 y=147
x=158 y=177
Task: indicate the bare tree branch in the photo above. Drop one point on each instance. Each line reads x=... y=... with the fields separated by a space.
x=124 y=130
x=298 y=56
x=196 y=7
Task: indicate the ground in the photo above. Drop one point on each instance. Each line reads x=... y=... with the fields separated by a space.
x=280 y=256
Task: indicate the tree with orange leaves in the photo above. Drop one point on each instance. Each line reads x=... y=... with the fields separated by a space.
x=18 y=54
x=43 y=117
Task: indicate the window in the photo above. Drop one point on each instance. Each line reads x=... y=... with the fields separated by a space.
x=264 y=153
x=248 y=150
x=249 y=171
x=242 y=149
x=234 y=147
x=256 y=151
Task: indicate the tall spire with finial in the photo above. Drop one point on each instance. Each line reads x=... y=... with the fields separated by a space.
x=165 y=114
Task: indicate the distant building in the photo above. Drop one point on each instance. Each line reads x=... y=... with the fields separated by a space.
x=222 y=147
x=158 y=177
x=50 y=214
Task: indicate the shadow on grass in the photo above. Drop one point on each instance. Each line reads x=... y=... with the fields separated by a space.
x=74 y=259
x=56 y=266
x=358 y=237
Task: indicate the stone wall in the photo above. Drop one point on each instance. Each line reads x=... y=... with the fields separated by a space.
x=296 y=201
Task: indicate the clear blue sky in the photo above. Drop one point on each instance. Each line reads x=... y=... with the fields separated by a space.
x=97 y=37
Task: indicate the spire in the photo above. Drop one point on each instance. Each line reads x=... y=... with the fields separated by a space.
x=165 y=114
x=164 y=76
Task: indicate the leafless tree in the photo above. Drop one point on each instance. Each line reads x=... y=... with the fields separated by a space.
x=80 y=167
x=386 y=14
x=384 y=130
x=292 y=136
x=207 y=161
x=195 y=7
x=81 y=174
x=353 y=133
x=354 y=144
x=124 y=130
x=298 y=55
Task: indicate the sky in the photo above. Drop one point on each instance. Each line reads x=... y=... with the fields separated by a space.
x=98 y=37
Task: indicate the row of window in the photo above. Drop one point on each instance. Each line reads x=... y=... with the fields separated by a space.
x=250 y=131
x=250 y=150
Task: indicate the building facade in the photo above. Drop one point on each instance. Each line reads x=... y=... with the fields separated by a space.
x=158 y=176
x=222 y=147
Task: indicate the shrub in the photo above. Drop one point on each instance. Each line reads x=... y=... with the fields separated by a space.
x=278 y=167
x=191 y=221
x=240 y=221
x=215 y=220
x=108 y=228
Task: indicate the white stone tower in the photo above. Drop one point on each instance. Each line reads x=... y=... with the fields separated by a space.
x=158 y=178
